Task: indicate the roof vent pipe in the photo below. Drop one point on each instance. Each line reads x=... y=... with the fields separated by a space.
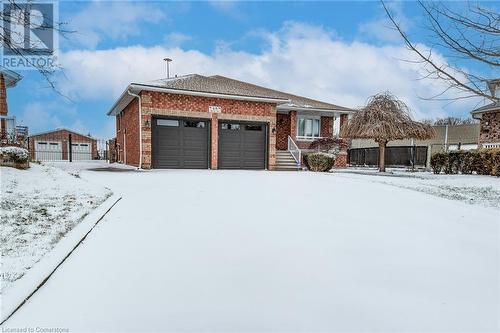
x=167 y=61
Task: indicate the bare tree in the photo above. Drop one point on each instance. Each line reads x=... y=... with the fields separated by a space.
x=16 y=21
x=449 y=121
x=472 y=35
x=385 y=118
x=454 y=121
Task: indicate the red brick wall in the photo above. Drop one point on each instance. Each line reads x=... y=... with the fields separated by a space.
x=282 y=131
x=63 y=137
x=127 y=134
x=166 y=104
x=490 y=128
x=3 y=97
x=326 y=124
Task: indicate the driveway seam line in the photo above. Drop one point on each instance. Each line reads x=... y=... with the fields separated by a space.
x=58 y=265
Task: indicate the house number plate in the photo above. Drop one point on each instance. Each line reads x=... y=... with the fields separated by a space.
x=214 y=109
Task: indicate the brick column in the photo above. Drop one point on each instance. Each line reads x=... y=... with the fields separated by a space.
x=344 y=118
x=214 y=141
x=341 y=160
x=271 y=161
x=3 y=97
x=326 y=127
x=146 y=140
x=293 y=125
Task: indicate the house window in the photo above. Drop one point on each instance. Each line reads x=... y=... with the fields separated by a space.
x=167 y=122
x=197 y=124
x=308 y=127
x=253 y=127
x=228 y=126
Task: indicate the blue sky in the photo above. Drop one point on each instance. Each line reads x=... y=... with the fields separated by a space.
x=340 y=52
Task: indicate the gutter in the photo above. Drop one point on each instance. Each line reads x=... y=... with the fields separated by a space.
x=299 y=108
x=140 y=126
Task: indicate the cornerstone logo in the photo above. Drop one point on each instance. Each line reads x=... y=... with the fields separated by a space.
x=30 y=35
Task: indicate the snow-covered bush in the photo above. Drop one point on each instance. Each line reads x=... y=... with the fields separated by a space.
x=16 y=154
x=319 y=162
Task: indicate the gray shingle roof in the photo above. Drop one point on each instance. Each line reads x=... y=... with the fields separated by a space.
x=11 y=77
x=487 y=108
x=223 y=85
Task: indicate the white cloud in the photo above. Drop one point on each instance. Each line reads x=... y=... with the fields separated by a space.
x=301 y=59
x=174 y=39
x=115 y=20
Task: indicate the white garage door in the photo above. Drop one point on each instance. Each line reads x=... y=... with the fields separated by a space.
x=48 y=150
x=81 y=151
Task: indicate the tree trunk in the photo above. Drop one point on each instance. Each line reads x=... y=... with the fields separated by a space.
x=381 y=156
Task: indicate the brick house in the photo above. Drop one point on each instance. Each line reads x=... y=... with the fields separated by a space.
x=8 y=79
x=55 y=146
x=215 y=122
x=489 y=116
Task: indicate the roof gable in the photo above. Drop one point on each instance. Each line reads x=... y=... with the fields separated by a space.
x=60 y=129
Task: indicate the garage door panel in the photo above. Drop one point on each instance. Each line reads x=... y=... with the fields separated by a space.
x=242 y=146
x=180 y=144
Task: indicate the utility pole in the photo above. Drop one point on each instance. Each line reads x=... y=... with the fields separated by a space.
x=168 y=60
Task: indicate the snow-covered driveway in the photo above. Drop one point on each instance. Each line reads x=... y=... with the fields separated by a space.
x=275 y=251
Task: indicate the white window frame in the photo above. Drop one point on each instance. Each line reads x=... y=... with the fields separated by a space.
x=308 y=138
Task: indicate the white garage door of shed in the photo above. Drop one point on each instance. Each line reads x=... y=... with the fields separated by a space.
x=48 y=150
x=81 y=151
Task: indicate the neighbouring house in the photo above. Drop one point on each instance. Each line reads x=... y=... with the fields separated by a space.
x=416 y=152
x=489 y=117
x=216 y=122
x=56 y=145
x=8 y=128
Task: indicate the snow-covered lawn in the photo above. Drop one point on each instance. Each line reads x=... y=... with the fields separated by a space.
x=38 y=207
x=470 y=189
x=276 y=251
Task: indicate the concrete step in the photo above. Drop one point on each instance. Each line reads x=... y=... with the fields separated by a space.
x=286 y=168
x=279 y=160
x=287 y=163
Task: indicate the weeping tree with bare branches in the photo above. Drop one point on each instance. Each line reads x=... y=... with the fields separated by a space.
x=385 y=118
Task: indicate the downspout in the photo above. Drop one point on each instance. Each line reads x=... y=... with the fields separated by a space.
x=140 y=126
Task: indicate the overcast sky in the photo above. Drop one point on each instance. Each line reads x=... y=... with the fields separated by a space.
x=338 y=52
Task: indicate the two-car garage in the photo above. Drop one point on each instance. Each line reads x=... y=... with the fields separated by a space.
x=184 y=143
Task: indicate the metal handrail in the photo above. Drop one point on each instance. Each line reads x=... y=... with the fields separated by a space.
x=295 y=151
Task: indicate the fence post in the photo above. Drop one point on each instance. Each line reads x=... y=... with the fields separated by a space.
x=70 y=148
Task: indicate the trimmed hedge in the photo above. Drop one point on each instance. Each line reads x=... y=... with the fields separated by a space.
x=319 y=162
x=482 y=162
